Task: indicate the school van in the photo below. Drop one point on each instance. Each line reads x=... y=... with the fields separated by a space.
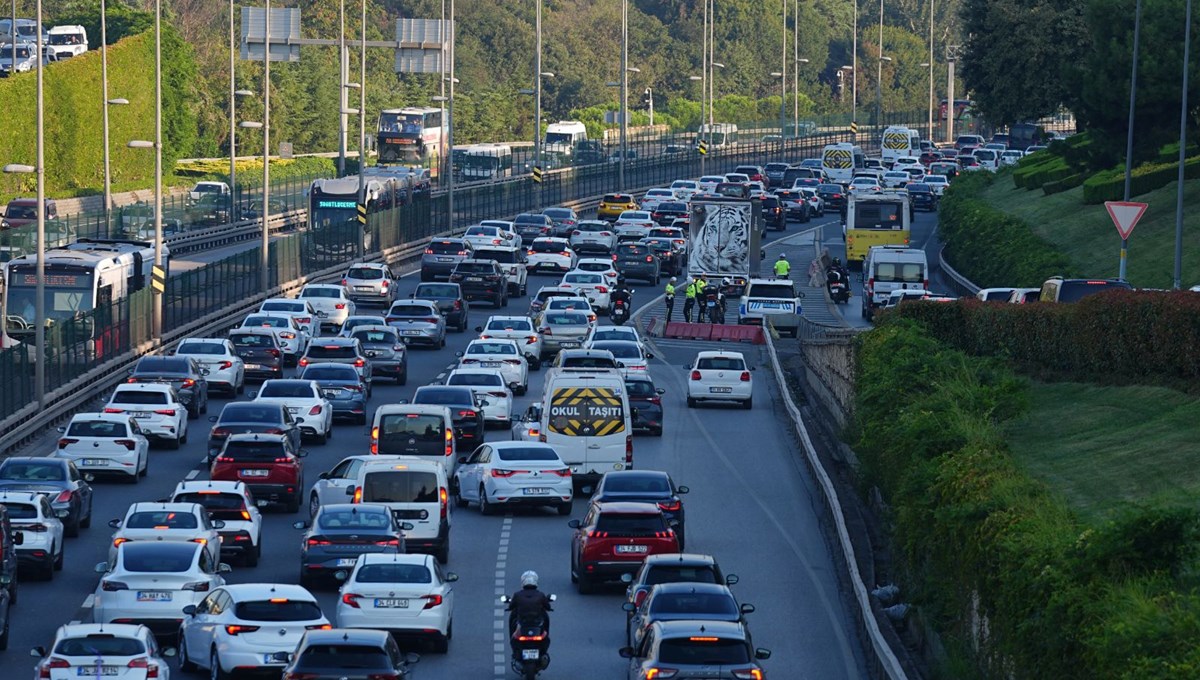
x=415 y=490
x=889 y=268
x=425 y=431
x=586 y=418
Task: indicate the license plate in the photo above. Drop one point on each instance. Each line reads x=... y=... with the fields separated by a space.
x=445 y=259
x=255 y=473
x=364 y=289
x=154 y=596
x=568 y=344
x=474 y=278
x=491 y=364
x=536 y=492
x=720 y=390
x=391 y=603
x=94 y=461
x=530 y=654
x=331 y=394
x=270 y=659
x=254 y=367
x=293 y=410
x=140 y=414
x=411 y=332
x=626 y=549
x=90 y=671
x=347 y=561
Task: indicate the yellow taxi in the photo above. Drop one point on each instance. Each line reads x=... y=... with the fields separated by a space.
x=612 y=205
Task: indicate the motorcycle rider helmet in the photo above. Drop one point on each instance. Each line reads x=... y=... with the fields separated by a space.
x=529 y=579
x=672 y=279
x=837 y=262
x=783 y=256
x=726 y=281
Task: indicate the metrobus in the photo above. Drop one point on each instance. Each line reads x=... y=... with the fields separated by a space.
x=82 y=278
x=486 y=161
x=718 y=135
x=881 y=219
x=840 y=161
x=414 y=136
x=899 y=141
x=334 y=202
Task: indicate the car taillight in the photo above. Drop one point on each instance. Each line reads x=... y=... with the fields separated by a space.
x=564 y=472
x=466 y=413
x=530 y=339
x=197 y=586
x=640 y=597
x=304 y=319
x=628 y=451
x=188 y=383
x=429 y=251
x=670 y=506
x=31 y=527
x=469 y=361
x=576 y=233
x=63 y=497
x=297 y=675
x=221 y=433
x=343 y=282
x=303 y=362
x=498 y=394
x=495 y=241
x=511 y=362
x=315 y=411
x=748 y=674
x=274 y=353
x=129 y=444
x=502 y=473
x=565 y=253
x=597 y=534
x=165 y=411
x=457 y=305
x=288 y=336
x=389 y=543
x=350 y=599
x=238 y=630
x=431 y=601
x=360 y=363
x=54 y=662
x=340 y=305
x=745 y=376
x=317 y=540
x=108 y=409
x=443 y=501
x=660 y=673
x=66 y=441
x=113 y=586
x=695 y=375
x=649 y=258
x=385 y=283
x=319 y=626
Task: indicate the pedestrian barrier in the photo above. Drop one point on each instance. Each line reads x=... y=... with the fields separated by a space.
x=688 y=331
x=738 y=333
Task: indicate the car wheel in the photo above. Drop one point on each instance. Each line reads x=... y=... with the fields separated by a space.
x=403 y=379
x=173 y=444
x=314 y=504
x=62 y=554
x=441 y=644
x=564 y=509
x=145 y=467
x=691 y=403
x=251 y=557
x=4 y=634
x=293 y=503
x=85 y=522
x=657 y=432
x=46 y=573
x=522 y=390
x=586 y=585
x=185 y=664
x=748 y=404
x=485 y=508
x=193 y=413
x=214 y=667
x=321 y=438
x=204 y=408
x=71 y=529
x=459 y=501
x=443 y=553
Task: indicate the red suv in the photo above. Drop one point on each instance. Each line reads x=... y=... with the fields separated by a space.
x=268 y=464
x=614 y=538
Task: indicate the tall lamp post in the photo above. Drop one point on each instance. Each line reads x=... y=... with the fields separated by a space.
x=879 y=92
x=624 y=93
x=930 y=121
x=156 y=322
x=234 y=208
x=782 y=101
x=107 y=102
x=700 y=79
x=854 y=65
x=796 y=95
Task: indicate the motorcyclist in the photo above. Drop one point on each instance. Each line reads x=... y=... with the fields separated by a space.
x=836 y=273
x=782 y=266
x=621 y=294
x=529 y=606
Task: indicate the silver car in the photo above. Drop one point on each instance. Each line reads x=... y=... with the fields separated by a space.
x=442 y=255
x=418 y=322
x=593 y=235
x=720 y=650
x=562 y=330
x=370 y=283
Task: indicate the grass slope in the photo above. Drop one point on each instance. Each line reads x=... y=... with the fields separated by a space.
x=1103 y=446
x=1087 y=236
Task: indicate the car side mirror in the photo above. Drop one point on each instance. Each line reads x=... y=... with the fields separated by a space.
x=649 y=355
x=168 y=652
x=341 y=575
x=747 y=608
x=323 y=475
x=62 y=514
x=682 y=490
x=224 y=568
x=731 y=579
x=89 y=478
x=37 y=652
x=458 y=354
x=450 y=577
x=350 y=491
x=411 y=658
x=629 y=607
x=61 y=430
x=254 y=395
x=218 y=524
x=626 y=578
x=626 y=652
x=575 y=524
x=462 y=460
x=479 y=329
x=204 y=371
x=190 y=610
x=762 y=654
x=660 y=390
x=114 y=524
x=213 y=419
x=300 y=525
x=298 y=420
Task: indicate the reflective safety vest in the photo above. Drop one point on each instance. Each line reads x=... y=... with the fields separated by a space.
x=691 y=290
x=670 y=290
x=782 y=268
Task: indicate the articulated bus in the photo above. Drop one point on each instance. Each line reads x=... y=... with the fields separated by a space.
x=880 y=219
x=414 y=136
x=840 y=161
x=335 y=201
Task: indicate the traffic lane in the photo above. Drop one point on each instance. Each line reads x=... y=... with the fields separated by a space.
x=750 y=507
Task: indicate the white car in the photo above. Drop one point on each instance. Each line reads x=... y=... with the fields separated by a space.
x=599 y=265
x=407 y=594
x=155 y=408
x=304 y=401
x=226 y=370
x=720 y=376
x=635 y=218
x=151 y=582
x=511 y=473
x=631 y=356
x=1011 y=156
x=572 y=304
x=229 y=502
x=708 y=183
x=40 y=528
x=684 y=189
x=292 y=339
x=489 y=386
x=359 y=320
x=602 y=333
x=330 y=487
x=550 y=253
x=816 y=205
x=504 y=356
x=332 y=304
x=487 y=235
x=520 y=330
x=866 y=185
x=105 y=443
x=895 y=179
x=937 y=184
x=131 y=649
x=508 y=231
x=527 y=427
x=226 y=630
x=302 y=311
x=164 y=521
x=594 y=287
x=653 y=197
x=903 y=163
x=594 y=235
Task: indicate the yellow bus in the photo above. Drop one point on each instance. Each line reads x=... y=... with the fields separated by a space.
x=879 y=219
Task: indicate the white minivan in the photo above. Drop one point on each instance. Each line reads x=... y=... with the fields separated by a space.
x=889 y=268
x=417 y=491
x=586 y=418
x=422 y=430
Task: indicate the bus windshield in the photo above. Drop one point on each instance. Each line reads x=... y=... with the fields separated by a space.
x=67 y=293
x=878 y=216
x=327 y=210
x=404 y=123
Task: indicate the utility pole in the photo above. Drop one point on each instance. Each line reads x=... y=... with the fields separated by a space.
x=929 y=123
x=624 y=93
x=104 y=87
x=362 y=126
x=158 y=162
x=1137 y=34
x=39 y=374
x=233 y=204
x=854 y=66
x=783 y=75
x=343 y=95
x=796 y=70
x=1183 y=108
x=450 y=125
x=265 y=213
x=537 y=90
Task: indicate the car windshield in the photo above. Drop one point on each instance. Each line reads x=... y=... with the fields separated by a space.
x=491 y=348
x=638 y=483
x=721 y=364
x=213 y=348
x=277 y=609
x=97 y=428
x=321 y=293
x=694 y=603
x=393 y=573
x=331 y=372
x=400 y=486
x=510 y=325
x=99 y=645
x=365 y=273
x=354 y=519
x=527 y=453
x=703 y=651
x=251 y=450
x=436 y=291
x=158 y=558
x=30 y=472
x=484 y=379
x=240 y=413
x=222 y=506
x=139 y=397
x=21 y=510
x=287 y=390
x=374 y=337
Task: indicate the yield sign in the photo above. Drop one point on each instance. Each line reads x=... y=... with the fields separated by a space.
x=1125 y=215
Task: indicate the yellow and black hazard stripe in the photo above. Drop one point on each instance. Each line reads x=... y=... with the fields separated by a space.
x=838 y=159
x=587 y=427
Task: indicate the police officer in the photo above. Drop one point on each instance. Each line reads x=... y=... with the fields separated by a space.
x=782 y=266
x=670 y=296
x=689 y=299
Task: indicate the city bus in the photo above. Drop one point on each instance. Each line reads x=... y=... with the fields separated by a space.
x=414 y=136
x=840 y=161
x=718 y=135
x=486 y=161
x=881 y=219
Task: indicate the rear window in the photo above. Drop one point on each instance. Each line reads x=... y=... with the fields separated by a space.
x=558 y=212
x=583 y=278
x=771 y=290
x=374 y=337
x=877 y=215
x=138 y=397
x=159 y=558
x=594 y=266
x=483 y=379
x=640 y=388
x=267 y=321
x=694 y=603
x=444 y=397
x=162 y=365
x=475 y=268
x=320 y=293
x=566 y=319
x=632 y=251
x=623 y=351
x=410 y=310
x=447 y=248
x=548 y=247
x=722 y=364
x=201 y=348
x=97 y=428
x=617 y=198
x=253 y=451
x=345 y=657
x=491 y=348
x=250 y=413
x=510 y=325
x=330 y=372
x=1073 y=291
x=637 y=482
x=365 y=273
x=28 y=471
x=400 y=486
x=253 y=340
x=287 y=610
x=331 y=352
x=630 y=524
x=394 y=573
x=21 y=510
x=678 y=574
x=588 y=362
x=437 y=291
x=703 y=650
x=502 y=256
x=164 y=519
x=99 y=645
x=283 y=307
x=539 y=220
x=225 y=506
x=288 y=390
x=899 y=272
x=527 y=453
x=410 y=425
x=357 y=518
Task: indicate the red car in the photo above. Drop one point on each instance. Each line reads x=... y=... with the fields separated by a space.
x=614 y=539
x=268 y=464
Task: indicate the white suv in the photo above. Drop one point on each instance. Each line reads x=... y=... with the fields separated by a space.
x=155 y=408
x=229 y=502
x=161 y=521
x=41 y=531
x=720 y=376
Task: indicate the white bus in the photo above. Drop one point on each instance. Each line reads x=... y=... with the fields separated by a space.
x=898 y=141
x=718 y=135
x=840 y=161
x=486 y=161
x=561 y=139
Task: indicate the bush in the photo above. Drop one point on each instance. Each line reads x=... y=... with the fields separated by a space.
x=1050 y=169
x=989 y=246
x=249 y=170
x=1051 y=188
x=1110 y=184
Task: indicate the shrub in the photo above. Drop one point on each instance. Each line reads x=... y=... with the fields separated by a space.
x=1051 y=188
x=1050 y=169
x=1110 y=184
x=250 y=169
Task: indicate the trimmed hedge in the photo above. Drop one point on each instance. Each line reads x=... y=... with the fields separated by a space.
x=1118 y=336
x=989 y=246
x=1050 y=188
x=1109 y=185
x=995 y=559
x=1049 y=169
x=250 y=169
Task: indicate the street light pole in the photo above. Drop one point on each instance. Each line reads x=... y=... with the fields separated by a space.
x=537 y=86
x=265 y=213
x=233 y=204
x=624 y=93
x=39 y=375
x=929 y=123
x=1183 y=108
x=796 y=69
x=879 y=73
x=158 y=163
x=104 y=93
x=362 y=126
x=450 y=125
x=854 y=65
x=343 y=95
x=1137 y=34
x=783 y=75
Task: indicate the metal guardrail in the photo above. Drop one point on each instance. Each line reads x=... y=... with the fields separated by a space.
x=964 y=284
x=230 y=233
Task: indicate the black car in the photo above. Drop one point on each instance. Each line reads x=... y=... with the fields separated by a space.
x=389 y=356
x=921 y=197
x=59 y=480
x=795 y=172
x=645 y=486
x=564 y=220
x=481 y=280
x=244 y=417
x=636 y=261
x=8 y=574
x=667 y=211
x=331 y=654
x=532 y=225
x=342 y=532
x=260 y=352
x=832 y=195
x=449 y=299
x=773 y=214
x=670 y=258
x=182 y=373
x=210 y=210
x=646 y=401
x=794 y=204
x=465 y=411
x=774 y=173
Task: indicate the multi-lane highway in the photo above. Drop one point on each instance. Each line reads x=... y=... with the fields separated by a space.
x=751 y=505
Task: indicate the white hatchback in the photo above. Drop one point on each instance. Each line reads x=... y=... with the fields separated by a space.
x=164 y=521
x=937 y=184
x=301 y=310
x=635 y=218
x=408 y=594
x=593 y=286
x=105 y=443
x=599 y=265
x=499 y=474
x=332 y=304
x=292 y=339
x=151 y=582
x=130 y=649
x=226 y=370
x=231 y=503
x=653 y=197
x=155 y=408
x=303 y=400
x=40 y=529
x=684 y=189
x=520 y=330
x=720 y=376
x=489 y=386
x=500 y=355
x=550 y=253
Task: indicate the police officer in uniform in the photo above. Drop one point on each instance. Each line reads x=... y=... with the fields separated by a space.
x=670 y=296
x=689 y=300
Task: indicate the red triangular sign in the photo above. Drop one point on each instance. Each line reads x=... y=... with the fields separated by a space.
x=1125 y=215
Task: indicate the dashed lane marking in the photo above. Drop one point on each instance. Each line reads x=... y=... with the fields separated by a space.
x=500 y=621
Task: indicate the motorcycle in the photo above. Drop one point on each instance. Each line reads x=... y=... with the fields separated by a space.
x=839 y=289
x=714 y=307
x=619 y=313
x=531 y=646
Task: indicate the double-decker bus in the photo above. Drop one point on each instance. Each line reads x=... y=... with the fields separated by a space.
x=82 y=279
x=414 y=136
x=881 y=219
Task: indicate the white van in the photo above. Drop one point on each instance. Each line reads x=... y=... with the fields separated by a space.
x=888 y=268
x=67 y=41
x=424 y=431
x=417 y=491
x=586 y=418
